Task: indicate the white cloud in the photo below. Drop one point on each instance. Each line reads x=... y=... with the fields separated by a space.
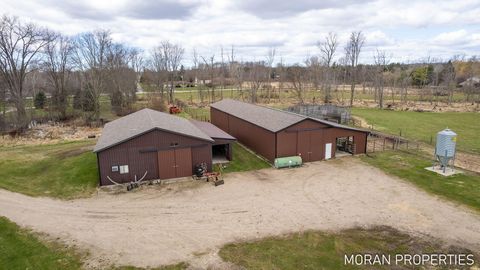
x=292 y=27
x=451 y=38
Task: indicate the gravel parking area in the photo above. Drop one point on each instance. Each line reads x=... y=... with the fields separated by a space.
x=190 y=221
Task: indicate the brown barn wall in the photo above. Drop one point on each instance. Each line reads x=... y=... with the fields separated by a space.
x=140 y=154
x=219 y=119
x=254 y=137
x=359 y=138
x=308 y=139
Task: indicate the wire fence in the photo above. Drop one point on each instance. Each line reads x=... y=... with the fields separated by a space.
x=377 y=142
x=199 y=114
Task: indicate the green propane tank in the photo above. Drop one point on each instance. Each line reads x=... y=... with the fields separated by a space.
x=286 y=162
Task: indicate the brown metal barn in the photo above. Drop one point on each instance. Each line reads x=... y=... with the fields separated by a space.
x=157 y=145
x=275 y=133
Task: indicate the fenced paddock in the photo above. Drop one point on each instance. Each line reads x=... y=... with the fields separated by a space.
x=329 y=112
x=377 y=142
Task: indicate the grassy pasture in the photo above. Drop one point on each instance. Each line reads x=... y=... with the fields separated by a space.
x=243 y=160
x=20 y=249
x=423 y=126
x=322 y=250
x=461 y=188
x=65 y=170
x=23 y=249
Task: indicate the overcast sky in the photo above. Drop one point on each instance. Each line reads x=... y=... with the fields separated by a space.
x=406 y=30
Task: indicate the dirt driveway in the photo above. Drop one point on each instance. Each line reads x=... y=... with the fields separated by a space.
x=157 y=226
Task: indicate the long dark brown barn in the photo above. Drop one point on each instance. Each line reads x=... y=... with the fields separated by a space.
x=275 y=133
x=157 y=145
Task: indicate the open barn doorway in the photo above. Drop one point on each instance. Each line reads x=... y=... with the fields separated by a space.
x=221 y=153
x=344 y=146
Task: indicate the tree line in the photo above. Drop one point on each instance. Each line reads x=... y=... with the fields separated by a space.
x=76 y=72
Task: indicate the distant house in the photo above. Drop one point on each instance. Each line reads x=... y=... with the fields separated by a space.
x=158 y=146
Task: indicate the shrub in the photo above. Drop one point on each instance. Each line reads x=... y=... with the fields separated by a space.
x=158 y=103
x=40 y=100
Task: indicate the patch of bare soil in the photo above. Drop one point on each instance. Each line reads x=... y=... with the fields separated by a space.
x=51 y=133
x=155 y=226
x=467 y=161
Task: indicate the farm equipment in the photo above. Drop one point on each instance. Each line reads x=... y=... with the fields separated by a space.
x=133 y=184
x=201 y=173
x=173 y=109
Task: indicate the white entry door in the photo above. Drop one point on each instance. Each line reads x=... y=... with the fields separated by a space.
x=328 y=151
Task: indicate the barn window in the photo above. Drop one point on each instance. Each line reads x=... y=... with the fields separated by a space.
x=173 y=144
x=114 y=168
x=123 y=169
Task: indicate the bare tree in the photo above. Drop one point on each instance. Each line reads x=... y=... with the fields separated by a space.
x=328 y=48
x=448 y=78
x=159 y=65
x=121 y=78
x=3 y=103
x=297 y=76
x=223 y=71
x=209 y=65
x=196 y=66
x=257 y=77
x=233 y=69
x=270 y=59
x=313 y=69
x=381 y=63
x=92 y=49
x=137 y=62
x=58 y=66
x=20 y=44
x=173 y=55
x=352 y=52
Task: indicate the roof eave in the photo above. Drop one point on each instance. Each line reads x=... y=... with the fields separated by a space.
x=147 y=131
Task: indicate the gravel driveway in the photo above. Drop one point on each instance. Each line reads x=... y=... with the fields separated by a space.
x=190 y=221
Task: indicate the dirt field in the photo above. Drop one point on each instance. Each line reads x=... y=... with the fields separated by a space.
x=51 y=133
x=190 y=221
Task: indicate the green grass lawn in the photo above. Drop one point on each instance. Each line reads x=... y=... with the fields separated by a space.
x=243 y=160
x=20 y=249
x=424 y=125
x=321 y=250
x=65 y=170
x=461 y=188
x=178 y=266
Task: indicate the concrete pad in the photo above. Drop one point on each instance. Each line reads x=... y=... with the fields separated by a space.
x=439 y=170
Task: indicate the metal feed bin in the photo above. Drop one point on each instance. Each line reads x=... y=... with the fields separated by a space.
x=445 y=147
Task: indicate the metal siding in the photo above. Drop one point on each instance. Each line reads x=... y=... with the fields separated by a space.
x=166 y=164
x=303 y=145
x=317 y=147
x=128 y=153
x=256 y=138
x=202 y=154
x=219 y=119
x=286 y=144
x=183 y=162
x=359 y=138
x=307 y=137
